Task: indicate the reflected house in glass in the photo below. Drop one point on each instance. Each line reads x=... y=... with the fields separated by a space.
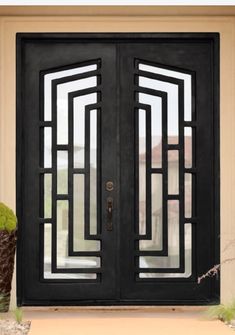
x=173 y=206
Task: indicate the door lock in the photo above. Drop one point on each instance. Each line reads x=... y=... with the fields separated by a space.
x=109 y=209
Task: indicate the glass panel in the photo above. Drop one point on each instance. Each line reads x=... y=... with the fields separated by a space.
x=80 y=244
x=156 y=242
x=83 y=262
x=47 y=260
x=47 y=195
x=79 y=127
x=188 y=194
x=142 y=172
x=156 y=136
x=156 y=128
x=179 y=75
x=47 y=147
x=188 y=147
x=62 y=104
x=172 y=104
x=62 y=172
x=187 y=255
x=62 y=230
x=63 y=260
x=172 y=260
x=93 y=172
x=173 y=171
x=56 y=75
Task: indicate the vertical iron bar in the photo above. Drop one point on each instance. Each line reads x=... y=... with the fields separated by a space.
x=70 y=174
x=164 y=174
x=87 y=174
x=54 y=175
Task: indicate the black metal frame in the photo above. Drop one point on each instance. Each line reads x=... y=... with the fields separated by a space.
x=122 y=38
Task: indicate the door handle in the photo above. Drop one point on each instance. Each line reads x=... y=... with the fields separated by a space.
x=109 y=225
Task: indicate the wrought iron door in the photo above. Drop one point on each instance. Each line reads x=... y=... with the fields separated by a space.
x=117 y=168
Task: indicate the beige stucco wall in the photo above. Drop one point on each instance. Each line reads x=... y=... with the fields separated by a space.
x=225 y=25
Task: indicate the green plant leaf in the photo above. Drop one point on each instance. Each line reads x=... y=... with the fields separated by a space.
x=18 y=314
x=222 y=312
x=8 y=220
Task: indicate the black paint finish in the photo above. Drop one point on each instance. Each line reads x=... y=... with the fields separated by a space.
x=118 y=282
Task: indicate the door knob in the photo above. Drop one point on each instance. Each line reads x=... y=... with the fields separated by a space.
x=109 y=186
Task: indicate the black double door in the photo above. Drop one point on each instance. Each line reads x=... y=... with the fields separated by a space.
x=117 y=168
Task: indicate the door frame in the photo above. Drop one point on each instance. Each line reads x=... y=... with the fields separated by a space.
x=213 y=37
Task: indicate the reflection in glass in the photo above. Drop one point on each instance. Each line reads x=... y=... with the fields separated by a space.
x=156 y=128
x=142 y=171
x=93 y=171
x=63 y=261
x=188 y=194
x=62 y=104
x=172 y=104
x=79 y=127
x=56 y=75
x=188 y=259
x=156 y=191
x=62 y=172
x=188 y=147
x=47 y=260
x=173 y=172
x=47 y=195
x=172 y=260
x=47 y=147
x=187 y=78
x=80 y=244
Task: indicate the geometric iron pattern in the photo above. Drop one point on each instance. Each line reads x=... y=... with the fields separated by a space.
x=165 y=171
x=70 y=172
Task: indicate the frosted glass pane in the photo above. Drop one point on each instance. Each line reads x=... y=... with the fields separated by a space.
x=47 y=147
x=48 y=263
x=173 y=171
x=47 y=195
x=63 y=260
x=80 y=244
x=142 y=171
x=156 y=242
x=93 y=172
x=172 y=104
x=188 y=259
x=172 y=260
x=62 y=172
x=79 y=127
x=188 y=194
x=62 y=104
x=56 y=75
x=156 y=128
x=187 y=78
x=188 y=147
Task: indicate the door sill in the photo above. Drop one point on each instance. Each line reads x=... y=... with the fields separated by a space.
x=154 y=309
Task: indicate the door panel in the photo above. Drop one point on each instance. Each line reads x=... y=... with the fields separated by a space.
x=167 y=167
x=68 y=102
x=117 y=157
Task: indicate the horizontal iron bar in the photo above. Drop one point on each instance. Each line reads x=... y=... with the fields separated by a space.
x=85 y=253
x=173 y=147
x=62 y=197
x=46 y=123
x=62 y=146
x=156 y=170
x=173 y=197
x=45 y=170
x=190 y=124
x=190 y=170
